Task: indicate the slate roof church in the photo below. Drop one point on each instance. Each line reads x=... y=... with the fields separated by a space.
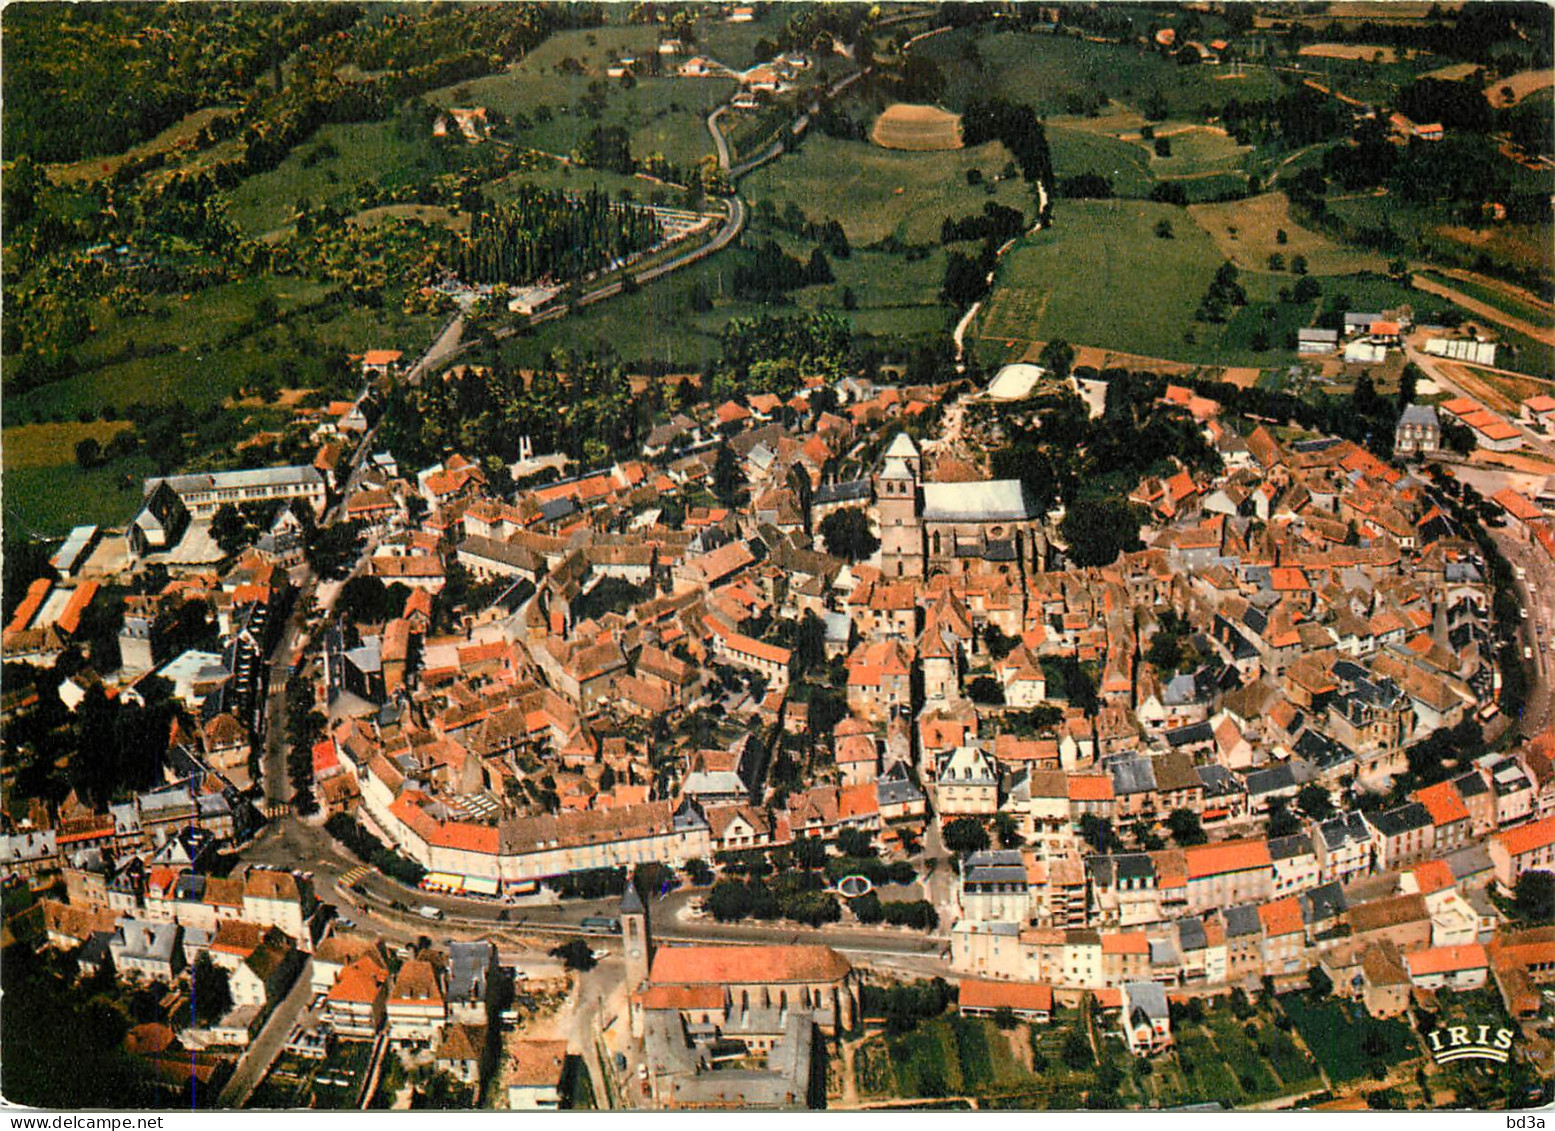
x=927 y=528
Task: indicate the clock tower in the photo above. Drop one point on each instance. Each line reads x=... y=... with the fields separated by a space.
x=634 y=938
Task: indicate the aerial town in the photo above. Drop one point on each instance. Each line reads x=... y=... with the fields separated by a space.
x=703 y=558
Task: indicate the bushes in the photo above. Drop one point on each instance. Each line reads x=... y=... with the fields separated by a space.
x=374 y=851
x=792 y=895
x=595 y=883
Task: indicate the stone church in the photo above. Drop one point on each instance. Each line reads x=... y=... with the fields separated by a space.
x=928 y=528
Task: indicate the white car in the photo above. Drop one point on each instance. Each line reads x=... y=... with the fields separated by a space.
x=600 y=955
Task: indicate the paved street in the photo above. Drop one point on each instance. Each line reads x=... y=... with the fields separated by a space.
x=256 y=1061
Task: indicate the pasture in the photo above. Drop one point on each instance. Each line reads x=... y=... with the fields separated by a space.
x=181 y=132
x=1062 y=74
x=1246 y=231
x=331 y=164
x=917 y=128
x=51 y=445
x=1077 y=149
x=1100 y=276
x=1196 y=151
x=549 y=89
x=876 y=192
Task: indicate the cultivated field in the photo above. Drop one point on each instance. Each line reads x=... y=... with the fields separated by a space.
x=1357 y=51
x=96 y=168
x=1246 y=231
x=876 y=192
x=1521 y=85
x=1452 y=72
x=920 y=129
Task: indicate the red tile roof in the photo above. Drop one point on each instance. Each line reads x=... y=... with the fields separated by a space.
x=1226 y=856
x=739 y=965
x=978 y=993
x=1446 y=960
x=1443 y=802
x=1528 y=838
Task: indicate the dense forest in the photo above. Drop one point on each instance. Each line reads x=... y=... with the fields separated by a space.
x=552 y=234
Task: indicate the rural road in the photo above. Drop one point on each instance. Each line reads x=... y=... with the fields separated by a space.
x=259 y=1056
x=1485 y=310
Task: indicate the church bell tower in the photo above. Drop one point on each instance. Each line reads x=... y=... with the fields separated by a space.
x=896 y=507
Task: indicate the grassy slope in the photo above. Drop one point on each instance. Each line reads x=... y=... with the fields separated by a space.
x=1045 y=70
x=665 y=115
x=1100 y=277
x=368 y=151
x=1256 y=221
x=874 y=192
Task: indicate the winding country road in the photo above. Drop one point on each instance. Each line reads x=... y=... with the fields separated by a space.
x=1485 y=310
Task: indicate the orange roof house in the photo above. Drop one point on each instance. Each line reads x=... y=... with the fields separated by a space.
x=1226 y=856
x=1024 y=999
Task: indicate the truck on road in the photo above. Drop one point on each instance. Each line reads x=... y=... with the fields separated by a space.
x=430 y=912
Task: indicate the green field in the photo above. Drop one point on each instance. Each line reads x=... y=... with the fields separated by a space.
x=1100 y=276
x=878 y=192
x=1197 y=151
x=1347 y=1040
x=1247 y=232
x=664 y=115
x=332 y=164
x=1077 y=150
x=1050 y=71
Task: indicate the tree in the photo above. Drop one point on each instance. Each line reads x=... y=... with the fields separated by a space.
x=89 y=454
x=228 y=529
x=728 y=479
x=1163 y=147
x=443 y=1093
x=986 y=690
x=332 y=551
x=847 y=535
x=1008 y=829
x=1534 y=896
x=1299 y=265
x=1185 y=828
x=1057 y=357
x=855 y=842
x=210 y=990
x=575 y=954
x=1097 y=532
x=1282 y=822
x=1313 y=800
x=1163 y=229
x=1319 y=984
x=965 y=835
x=1077 y=1052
